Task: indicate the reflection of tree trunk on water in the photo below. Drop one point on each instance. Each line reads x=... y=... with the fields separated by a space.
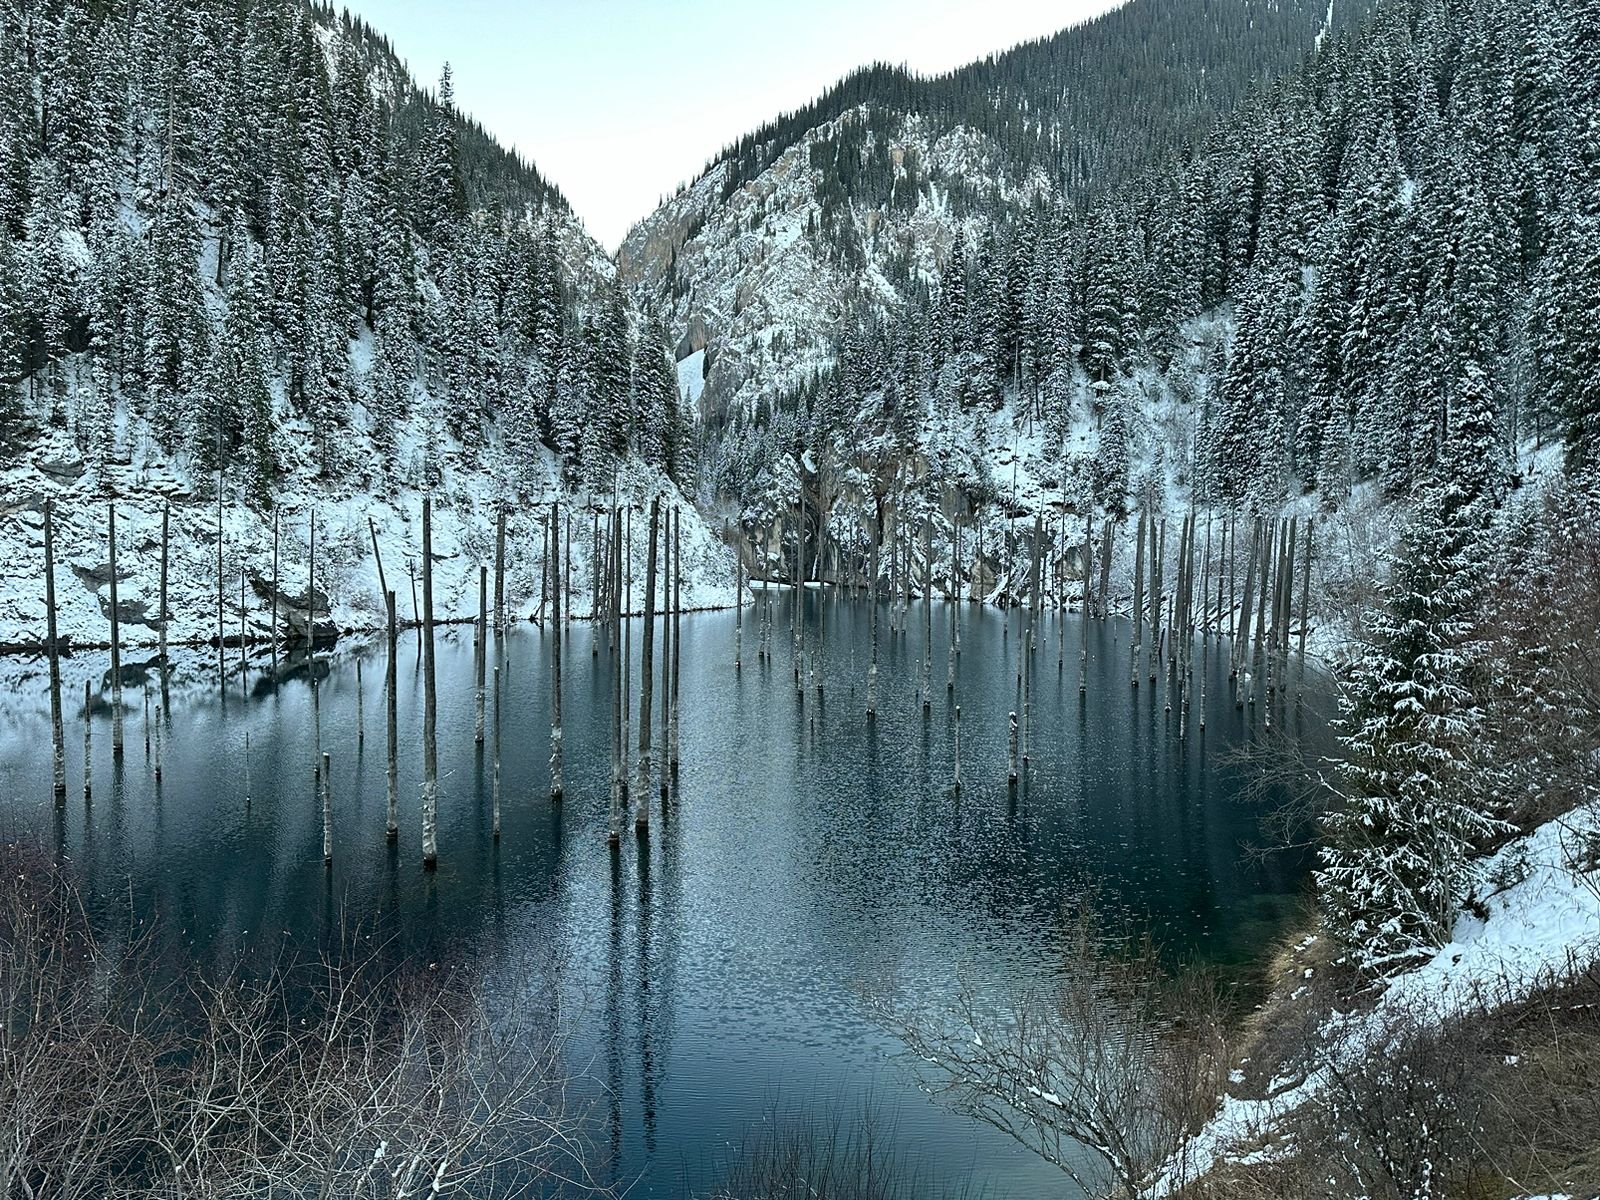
x=613 y=1020
x=495 y=785
x=646 y=1008
x=392 y=772
x=88 y=740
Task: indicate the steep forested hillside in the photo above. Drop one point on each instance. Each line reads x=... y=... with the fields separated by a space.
x=243 y=217
x=241 y=249
x=848 y=208
x=1396 y=235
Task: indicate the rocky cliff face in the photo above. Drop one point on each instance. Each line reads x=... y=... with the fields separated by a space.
x=761 y=277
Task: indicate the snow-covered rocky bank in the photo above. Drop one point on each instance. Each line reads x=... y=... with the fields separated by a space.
x=1534 y=923
x=347 y=590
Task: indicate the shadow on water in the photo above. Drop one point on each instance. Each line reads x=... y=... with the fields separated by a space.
x=802 y=855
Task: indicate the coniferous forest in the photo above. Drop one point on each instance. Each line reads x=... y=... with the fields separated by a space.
x=1238 y=356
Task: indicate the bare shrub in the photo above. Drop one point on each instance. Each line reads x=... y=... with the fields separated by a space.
x=342 y=1076
x=1401 y=1121
x=792 y=1156
x=1102 y=1073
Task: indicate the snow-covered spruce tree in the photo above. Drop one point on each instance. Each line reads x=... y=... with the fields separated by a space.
x=1407 y=820
x=1578 y=254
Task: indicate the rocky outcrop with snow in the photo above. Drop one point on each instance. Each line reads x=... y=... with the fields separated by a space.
x=751 y=279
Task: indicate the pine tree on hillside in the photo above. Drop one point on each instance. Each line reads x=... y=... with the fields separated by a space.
x=444 y=198
x=1407 y=818
x=1104 y=334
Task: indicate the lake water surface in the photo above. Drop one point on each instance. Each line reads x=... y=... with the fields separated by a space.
x=806 y=858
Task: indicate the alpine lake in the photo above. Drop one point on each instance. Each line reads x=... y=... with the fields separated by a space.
x=805 y=860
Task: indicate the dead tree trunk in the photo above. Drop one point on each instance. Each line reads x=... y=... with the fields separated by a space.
x=647 y=682
x=481 y=657
x=1138 y=600
x=58 y=745
x=677 y=634
x=500 y=571
x=555 y=651
x=430 y=702
x=116 y=638
x=163 y=614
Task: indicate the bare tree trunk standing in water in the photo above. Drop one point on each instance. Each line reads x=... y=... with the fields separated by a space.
x=221 y=636
x=272 y=628
x=1305 y=600
x=1158 y=572
x=430 y=702
x=1241 y=638
x=627 y=640
x=677 y=633
x=666 y=650
x=1268 y=546
x=58 y=746
x=618 y=785
x=647 y=682
x=872 y=597
x=481 y=657
x=554 y=559
x=1138 y=601
x=1083 y=620
x=927 y=615
x=391 y=704
x=161 y=615
x=1106 y=542
x=311 y=590
x=116 y=639
x=500 y=571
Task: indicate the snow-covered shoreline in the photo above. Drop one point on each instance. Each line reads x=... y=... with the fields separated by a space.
x=1536 y=921
x=347 y=582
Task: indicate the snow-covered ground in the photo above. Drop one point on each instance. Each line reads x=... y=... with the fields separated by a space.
x=1540 y=896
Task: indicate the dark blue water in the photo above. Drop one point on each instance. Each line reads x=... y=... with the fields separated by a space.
x=806 y=861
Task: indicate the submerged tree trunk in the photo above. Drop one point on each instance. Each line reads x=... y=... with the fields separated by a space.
x=116 y=639
x=430 y=702
x=1138 y=600
x=647 y=681
x=555 y=651
x=677 y=633
x=500 y=570
x=163 y=613
x=58 y=745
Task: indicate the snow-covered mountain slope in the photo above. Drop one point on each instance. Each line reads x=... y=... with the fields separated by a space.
x=851 y=205
x=292 y=278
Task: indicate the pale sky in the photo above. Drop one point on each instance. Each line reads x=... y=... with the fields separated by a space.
x=619 y=101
